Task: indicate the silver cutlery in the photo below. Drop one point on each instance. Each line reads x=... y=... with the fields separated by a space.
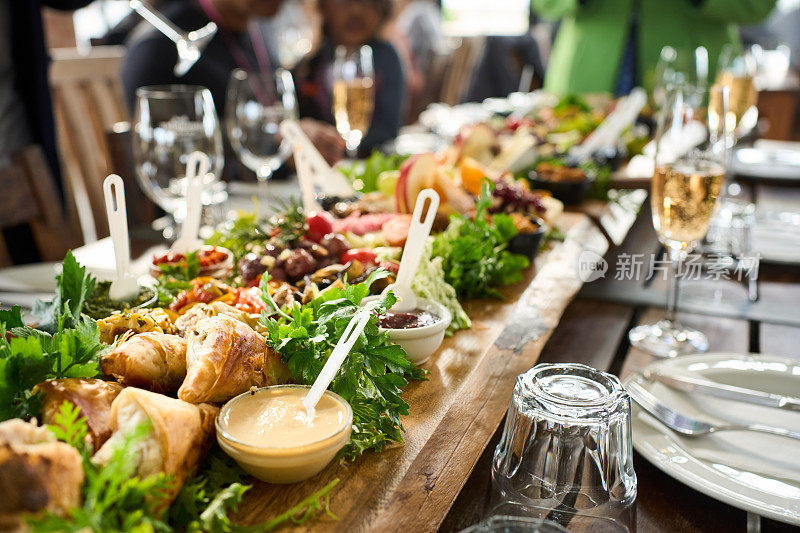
x=688 y=426
x=727 y=392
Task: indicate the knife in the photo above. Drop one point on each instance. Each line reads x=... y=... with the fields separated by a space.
x=727 y=392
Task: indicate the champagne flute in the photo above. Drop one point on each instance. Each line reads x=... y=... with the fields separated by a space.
x=171 y=122
x=737 y=71
x=684 y=191
x=256 y=104
x=353 y=95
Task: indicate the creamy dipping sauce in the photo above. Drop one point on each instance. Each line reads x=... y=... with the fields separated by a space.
x=278 y=419
x=269 y=434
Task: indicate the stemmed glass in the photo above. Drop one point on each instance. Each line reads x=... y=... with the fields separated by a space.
x=685 y=187
x=685 y=67
x=737 y=72
x=353 y=95
x=256 y=105
x=171 y=122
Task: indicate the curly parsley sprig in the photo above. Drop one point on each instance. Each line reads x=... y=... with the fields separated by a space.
x=372 y=376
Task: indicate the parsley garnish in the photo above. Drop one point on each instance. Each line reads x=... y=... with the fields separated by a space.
x=475 y=258
x=68 y=348
x=373 y=375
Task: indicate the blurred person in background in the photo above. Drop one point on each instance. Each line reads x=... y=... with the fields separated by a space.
x=26 y=114
x=614 y=45
x=353 y=23
x=416 y=33
x=238 y=43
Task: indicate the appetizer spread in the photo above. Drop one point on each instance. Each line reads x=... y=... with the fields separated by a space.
x=108 y=410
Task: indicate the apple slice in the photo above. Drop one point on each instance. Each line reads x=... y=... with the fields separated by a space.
x=417 y=172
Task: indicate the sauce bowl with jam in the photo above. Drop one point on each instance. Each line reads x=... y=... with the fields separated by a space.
x=419 y=332
x=268 y=432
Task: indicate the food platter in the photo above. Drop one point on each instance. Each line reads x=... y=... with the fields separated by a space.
x=411 y=487
x=264 y=304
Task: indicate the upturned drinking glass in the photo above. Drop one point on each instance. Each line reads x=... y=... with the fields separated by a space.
x=566 y=448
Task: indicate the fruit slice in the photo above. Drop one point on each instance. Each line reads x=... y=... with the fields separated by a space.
x=417 y=173
x=387 y=181
x=472 y=174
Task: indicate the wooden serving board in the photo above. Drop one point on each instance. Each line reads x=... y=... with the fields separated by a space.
x=453 y=415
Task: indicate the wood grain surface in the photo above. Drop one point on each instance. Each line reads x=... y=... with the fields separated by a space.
x=455 y=413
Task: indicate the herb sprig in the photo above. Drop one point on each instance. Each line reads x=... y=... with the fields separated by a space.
x=475 y=256
x=70 y=348
x=372 y=376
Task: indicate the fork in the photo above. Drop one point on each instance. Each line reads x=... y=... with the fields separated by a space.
x=691 y=427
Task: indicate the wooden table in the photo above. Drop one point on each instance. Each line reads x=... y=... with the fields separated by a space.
x=593 y=331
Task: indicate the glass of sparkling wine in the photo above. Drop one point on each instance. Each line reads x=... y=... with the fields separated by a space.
x=684 y=191
x=736 y=71
x=353 y=95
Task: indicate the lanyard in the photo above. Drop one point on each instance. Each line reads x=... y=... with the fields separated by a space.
x=256 y=37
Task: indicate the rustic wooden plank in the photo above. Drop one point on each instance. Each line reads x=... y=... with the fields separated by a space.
x=782 y=341
x=455 y=413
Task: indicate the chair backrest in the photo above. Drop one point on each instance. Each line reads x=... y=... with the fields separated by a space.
x=459 y=71
x=88 y=101
x=29 y=197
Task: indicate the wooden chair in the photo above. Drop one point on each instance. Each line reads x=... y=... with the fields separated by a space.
x=29 y=198
x=88 y=101
x=459 y=71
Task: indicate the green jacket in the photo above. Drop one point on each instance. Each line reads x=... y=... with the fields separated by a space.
x=588 y=50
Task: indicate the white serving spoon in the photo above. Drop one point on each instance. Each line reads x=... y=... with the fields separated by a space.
x=334 y=362
x=196 y=169
x=125 y=286
x=421 y=222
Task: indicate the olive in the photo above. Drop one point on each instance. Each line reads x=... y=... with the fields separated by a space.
x=335 y=244
x=299 y=263
x=250 y=267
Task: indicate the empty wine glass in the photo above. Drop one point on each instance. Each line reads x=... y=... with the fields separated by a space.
x=679 y=66
x=171 y=122
x=685 y=187
x=353 y=95
x=256 y=105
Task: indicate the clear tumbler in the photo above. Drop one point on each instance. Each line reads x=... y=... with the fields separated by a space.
x=566 y=448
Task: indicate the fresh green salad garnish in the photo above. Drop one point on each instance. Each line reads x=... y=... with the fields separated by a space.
x=175 y=278
x=475 y=258
x=429 y=283
x=372 y=376
x=366 y=180
x=69 y=349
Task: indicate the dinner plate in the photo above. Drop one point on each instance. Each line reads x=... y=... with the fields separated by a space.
x=36 y=277
x=752 y=471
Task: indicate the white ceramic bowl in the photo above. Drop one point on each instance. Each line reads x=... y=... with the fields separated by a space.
x=285 y=464
x=420 y=343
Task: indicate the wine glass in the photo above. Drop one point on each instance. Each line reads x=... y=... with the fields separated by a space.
x=256 y=104
x=171 y=122
x=737 y=71
x=353 y=95
x=679 y=66
x=685 y=187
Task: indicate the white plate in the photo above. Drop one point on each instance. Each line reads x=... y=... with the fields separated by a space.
x=755 y=472
x=36 y=277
